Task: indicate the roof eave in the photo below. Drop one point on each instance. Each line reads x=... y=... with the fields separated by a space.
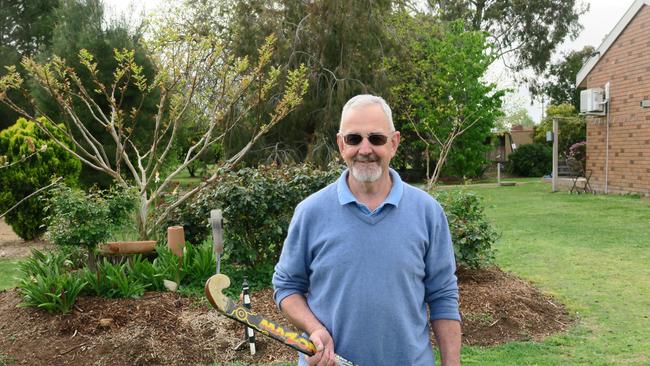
x=609 y=40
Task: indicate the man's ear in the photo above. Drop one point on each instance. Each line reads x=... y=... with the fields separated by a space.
x=395 y=141
x=340 y=142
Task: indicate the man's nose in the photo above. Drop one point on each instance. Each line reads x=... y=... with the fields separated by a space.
x=365 y=147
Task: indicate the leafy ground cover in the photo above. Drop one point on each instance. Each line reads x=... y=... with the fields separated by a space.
x=592 y=252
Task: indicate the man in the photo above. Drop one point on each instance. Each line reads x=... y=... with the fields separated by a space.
x=365 y=256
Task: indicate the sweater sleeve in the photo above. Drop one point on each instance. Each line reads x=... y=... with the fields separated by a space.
x=291 y=274
x=440 y=279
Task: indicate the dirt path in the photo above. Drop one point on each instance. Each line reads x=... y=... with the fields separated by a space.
x=13 y=247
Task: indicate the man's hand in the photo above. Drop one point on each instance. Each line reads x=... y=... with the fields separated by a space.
x=324 y=349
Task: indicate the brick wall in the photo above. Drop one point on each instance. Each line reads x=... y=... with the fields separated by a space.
x=626 y=65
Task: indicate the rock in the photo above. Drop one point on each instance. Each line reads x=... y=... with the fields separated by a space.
x=170 y=285
x=105 y=322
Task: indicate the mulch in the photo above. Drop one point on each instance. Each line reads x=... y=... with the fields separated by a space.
x=167 y=329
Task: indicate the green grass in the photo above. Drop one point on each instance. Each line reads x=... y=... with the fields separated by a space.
x=8 y=272
x=593 y=253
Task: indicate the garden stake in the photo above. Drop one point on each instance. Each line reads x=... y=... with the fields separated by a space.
x=216 y=221
x=213 y=291
x=248 y=331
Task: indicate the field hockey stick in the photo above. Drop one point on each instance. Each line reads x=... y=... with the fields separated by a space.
x=213 y=291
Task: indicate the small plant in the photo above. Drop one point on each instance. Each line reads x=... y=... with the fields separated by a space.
x=144 y=271
x=199 y=263
x=87 y=219
x=47 y=283
x=471 y=233
x=114 y=280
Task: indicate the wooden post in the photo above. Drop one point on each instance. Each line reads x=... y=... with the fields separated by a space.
x=216 y=221
x=498 y=173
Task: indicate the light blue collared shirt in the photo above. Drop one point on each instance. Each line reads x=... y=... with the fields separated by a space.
x=393 y=198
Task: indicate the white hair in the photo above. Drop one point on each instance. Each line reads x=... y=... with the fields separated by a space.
x=362 y=100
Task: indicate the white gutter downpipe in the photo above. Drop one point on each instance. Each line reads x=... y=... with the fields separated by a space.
x=607 y=139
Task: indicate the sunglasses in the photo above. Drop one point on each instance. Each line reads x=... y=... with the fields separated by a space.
x=376 y=139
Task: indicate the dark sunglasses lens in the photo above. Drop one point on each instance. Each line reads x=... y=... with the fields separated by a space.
x=353 y=139
x=377 y=140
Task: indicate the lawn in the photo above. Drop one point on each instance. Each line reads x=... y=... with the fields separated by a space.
x=8 y=272
x=593 y=253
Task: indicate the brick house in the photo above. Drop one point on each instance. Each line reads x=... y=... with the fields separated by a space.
x=618 y=152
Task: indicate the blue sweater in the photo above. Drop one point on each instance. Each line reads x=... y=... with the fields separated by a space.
x=369 y=278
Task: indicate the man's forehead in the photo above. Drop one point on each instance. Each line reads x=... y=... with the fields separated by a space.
x=367 y=117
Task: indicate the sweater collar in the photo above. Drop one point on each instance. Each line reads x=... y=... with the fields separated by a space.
x=393 y=198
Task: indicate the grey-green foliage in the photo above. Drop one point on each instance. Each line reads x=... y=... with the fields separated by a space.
x=472 y=234
x=530 y=30
x=342 y=43
x=559 y=83
x=47 y=282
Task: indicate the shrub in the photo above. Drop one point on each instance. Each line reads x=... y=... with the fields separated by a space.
x=87 y=219
x=578 y=152
x=47 y=283
x=257 y=207
x=42 y=159
x=532 y=160
x=472 y=235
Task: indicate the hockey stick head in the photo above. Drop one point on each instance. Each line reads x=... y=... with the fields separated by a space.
x=214 y=287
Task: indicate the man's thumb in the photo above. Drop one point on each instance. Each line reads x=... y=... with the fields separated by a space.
x=318 y=343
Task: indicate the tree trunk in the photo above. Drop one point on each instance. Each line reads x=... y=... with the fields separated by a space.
x=142 y=217
x=92 y=261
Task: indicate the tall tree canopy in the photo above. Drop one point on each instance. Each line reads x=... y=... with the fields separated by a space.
x=560 y=79
x=342 y=43
x=444 y=105
x=531 y=30
x=82 y=24
x=25 y=27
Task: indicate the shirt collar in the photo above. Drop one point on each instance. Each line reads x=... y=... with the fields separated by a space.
x=393 y=198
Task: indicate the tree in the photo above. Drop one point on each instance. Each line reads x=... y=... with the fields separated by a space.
x=185 y=60
x=572 y=128
x=33 y=160
x=81 y=24
x=439 y=92
x=560 y=78
x=513 y=118
x=530 y=30
x=343 y=44
x=25 y=27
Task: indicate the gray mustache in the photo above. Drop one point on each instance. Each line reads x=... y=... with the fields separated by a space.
x=366 y=159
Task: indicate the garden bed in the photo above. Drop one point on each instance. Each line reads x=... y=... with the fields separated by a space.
x=166 y=329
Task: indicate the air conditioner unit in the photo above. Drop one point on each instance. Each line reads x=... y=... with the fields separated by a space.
x=592 y=101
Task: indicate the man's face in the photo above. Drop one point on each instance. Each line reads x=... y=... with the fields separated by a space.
x=367 y=162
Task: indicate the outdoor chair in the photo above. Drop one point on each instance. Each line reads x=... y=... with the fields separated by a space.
x=578 y=172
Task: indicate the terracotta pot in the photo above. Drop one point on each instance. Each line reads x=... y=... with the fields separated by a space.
x=128 y=247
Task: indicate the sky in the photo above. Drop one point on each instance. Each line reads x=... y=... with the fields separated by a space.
x=597 y=23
